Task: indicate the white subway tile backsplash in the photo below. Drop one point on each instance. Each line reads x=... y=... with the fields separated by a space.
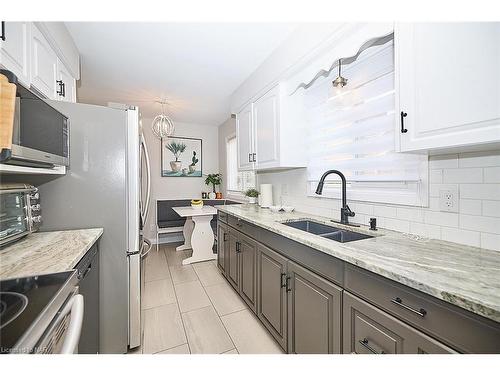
x=410 y=214
x=491 y=208
x=480 y=223
x=475 y=175
x=441 y=218
x=436 y=176
x=394 y=224
x=480 y=191
x=490 y=241
x=492 y=175
x=384 y=211
x=435 y=188
x=443 y=161
x=462 y=175
x=479 y=159
x=470 y=206
x=426 y=230
x=465 y=237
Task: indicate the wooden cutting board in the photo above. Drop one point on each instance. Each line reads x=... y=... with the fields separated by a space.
x=7 y=107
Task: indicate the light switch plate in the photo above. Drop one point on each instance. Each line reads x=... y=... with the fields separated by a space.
x=448 y=200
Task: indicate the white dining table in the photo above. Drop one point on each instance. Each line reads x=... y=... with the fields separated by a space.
x=198 y=234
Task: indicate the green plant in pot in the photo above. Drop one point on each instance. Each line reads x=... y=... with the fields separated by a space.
x=194 y=161
x=213 y=179
x=252 y=195
x=176 y=148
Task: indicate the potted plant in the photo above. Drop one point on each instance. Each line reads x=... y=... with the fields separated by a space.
x=176 y=148
x=213 y=179
x=194 y=161
x=252 y=195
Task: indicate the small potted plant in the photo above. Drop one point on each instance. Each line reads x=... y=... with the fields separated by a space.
x=176 y=148
x=213 y=179
x=252 y=195
x=194 y=161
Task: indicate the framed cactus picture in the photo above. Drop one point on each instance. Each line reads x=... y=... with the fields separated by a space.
x=181 y=157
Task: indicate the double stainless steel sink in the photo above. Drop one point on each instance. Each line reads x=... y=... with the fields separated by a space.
x=327 y=231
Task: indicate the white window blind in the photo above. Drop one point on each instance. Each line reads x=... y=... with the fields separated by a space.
x=352 y=129
x=236 y=181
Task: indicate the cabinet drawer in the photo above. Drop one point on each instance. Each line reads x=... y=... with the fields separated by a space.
x=243 y=226
x=222 y=216
x=368 y=330
x=458 y=328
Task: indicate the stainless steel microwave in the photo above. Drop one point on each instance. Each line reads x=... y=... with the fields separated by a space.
x=40 y=134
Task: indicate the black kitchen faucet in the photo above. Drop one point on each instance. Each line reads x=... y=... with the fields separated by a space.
x=345 y=211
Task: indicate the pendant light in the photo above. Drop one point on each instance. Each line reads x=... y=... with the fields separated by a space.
x=340 y=81
x=162 y=126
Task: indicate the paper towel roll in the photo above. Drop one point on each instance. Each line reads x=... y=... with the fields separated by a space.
x=266 y=195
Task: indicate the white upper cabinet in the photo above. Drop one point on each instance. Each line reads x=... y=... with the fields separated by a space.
x=448 y=81
x=43 y=66
x=269 y=134
x=266 y=116
x=244 y=138
x=15 y=49
x=28 y=50
x=66 y=84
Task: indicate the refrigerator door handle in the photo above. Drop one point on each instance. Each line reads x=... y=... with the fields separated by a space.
x=148 y=185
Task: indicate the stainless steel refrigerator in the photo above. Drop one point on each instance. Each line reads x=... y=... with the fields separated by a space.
x=107 y=185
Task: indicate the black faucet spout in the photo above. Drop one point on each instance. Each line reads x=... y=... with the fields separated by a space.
x=345 y=211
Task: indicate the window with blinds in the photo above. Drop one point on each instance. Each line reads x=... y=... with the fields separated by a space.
x=352 y=129
x=236 y=181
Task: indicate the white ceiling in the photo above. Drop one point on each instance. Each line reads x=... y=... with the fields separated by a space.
x=195 y=66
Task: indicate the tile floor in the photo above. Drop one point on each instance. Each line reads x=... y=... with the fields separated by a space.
x=193 y=309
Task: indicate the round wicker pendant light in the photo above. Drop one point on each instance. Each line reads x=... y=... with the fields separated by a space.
x=162 y=125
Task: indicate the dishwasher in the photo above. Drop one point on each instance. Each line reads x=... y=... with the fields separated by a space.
x=88 y=275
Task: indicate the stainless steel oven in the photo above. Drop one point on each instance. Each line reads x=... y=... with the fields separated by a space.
x=20 y=212
x=40 y=134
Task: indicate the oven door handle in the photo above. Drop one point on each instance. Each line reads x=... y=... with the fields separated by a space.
x=75 y=308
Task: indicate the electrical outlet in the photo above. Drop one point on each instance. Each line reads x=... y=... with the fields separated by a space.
x=448 y=200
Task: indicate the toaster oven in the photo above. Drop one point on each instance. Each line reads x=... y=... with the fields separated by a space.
x=20 y=212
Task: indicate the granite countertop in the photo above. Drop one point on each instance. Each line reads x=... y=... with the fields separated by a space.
x=46 y=252
x=465 y=276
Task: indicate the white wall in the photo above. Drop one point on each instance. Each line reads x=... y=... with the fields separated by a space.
x=179 y=187
x=475 y=175
x=226 y=129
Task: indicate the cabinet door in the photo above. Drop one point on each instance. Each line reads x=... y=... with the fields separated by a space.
x=266 y=129
x=222 y=246
x=43 y=65
x=244 y=138
x=68 y=93
x=314 y=313
x=271 y=291
x=248 y=270
x=232 y=261
x=368 y=330
x=15 y=50
x=448 y=80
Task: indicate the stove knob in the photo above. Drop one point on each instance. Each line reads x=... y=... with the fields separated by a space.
x=37 y=219
x=35 y=207
x=35 y=196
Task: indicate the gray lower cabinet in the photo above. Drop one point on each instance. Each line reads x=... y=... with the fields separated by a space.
x=222 y=246
x=247 y=251
x=368 y=330
x=314 y=312
x=272 y=295
x=232 y=261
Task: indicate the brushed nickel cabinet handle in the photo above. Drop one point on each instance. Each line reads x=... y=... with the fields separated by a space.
x=364 y=343
x=399 y=302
